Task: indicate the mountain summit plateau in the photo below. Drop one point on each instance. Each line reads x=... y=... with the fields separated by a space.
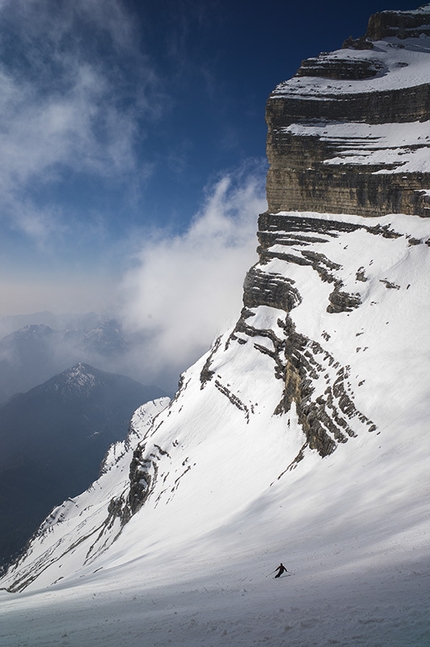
x=349 y=132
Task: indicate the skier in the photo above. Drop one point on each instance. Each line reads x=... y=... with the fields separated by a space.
x=281 y=569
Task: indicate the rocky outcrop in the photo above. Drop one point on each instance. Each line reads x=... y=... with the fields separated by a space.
x=401 y=24
x=327 y=414
x=332 y=145
x=350 y=69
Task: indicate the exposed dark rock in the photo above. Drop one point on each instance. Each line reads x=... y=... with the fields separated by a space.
x=357 y=43
x=390 y=106
x=347 y=69
x=301 y=362
x=345 y=189
x=343 y=302
x=206 y=373
x=142 y=477
x=270 y=222
x=267 y=289
x=390 y=285
x=234 y=399
x=278 y=351
x=400 y=24
x=360 y=275
x=321 y=417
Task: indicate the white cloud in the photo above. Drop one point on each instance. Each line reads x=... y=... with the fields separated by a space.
x=187 y=288
x=74 y=86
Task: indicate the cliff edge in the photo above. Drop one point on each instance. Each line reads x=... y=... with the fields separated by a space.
x=350 y=132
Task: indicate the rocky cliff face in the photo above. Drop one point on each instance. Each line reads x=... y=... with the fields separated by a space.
x=350 y=133
x=401 y=24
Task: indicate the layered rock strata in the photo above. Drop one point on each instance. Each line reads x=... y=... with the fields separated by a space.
x=350 y=133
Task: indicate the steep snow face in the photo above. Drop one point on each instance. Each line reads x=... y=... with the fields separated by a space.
x=301 y=437
x=307 y=420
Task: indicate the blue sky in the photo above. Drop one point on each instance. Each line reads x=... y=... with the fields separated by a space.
x=124 y=124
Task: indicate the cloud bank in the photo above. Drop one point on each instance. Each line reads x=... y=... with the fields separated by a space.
x=185 y=289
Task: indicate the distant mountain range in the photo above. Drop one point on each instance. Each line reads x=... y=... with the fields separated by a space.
x=36 y=352
x=66 y=321
x=53 y=439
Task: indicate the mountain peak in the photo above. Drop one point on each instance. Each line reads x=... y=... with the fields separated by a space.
x=53 y=440
x=32 y=330
x=77 y=381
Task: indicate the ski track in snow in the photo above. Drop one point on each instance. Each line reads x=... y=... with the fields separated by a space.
x=370 y=608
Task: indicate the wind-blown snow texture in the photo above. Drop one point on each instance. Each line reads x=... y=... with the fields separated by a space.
x=301 y=436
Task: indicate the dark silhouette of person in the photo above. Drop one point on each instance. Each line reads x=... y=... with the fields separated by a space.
x=281 y=569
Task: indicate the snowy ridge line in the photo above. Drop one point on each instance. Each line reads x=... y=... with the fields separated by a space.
x=403 y=65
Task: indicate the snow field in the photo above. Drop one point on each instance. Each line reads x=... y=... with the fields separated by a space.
x=193 y=566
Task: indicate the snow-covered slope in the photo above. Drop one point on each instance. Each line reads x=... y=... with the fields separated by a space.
x=301 y=436
x=389 y=64
x=229 y=482
x=87 y=519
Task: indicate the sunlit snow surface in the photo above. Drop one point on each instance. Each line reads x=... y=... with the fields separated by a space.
x=402 y=64
x=193 y=566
